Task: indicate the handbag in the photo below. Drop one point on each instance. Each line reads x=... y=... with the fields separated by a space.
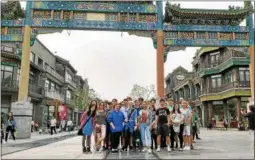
x=80 y=130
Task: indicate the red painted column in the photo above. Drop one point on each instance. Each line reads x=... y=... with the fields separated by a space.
x=160 y=64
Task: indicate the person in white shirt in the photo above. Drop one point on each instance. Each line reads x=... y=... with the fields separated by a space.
x=53 y=124
x=69 y=125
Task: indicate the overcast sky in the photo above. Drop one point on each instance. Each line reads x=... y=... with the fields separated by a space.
x=114 y=63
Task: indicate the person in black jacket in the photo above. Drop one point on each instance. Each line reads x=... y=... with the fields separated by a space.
x=251 y=119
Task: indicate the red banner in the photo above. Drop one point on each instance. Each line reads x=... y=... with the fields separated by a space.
x=63 y=113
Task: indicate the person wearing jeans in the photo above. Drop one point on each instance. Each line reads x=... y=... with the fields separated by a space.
x=145 y=121
x=10 y=126
x=116 y=120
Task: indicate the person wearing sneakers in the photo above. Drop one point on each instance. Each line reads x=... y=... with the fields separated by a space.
x=187 y=124
x=116 y=120
x=162 y=124
x=100 y=127
x=145 y=121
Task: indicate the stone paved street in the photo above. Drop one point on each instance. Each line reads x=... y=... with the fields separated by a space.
x=66 y=149
x=34 y=141
x=214 y=144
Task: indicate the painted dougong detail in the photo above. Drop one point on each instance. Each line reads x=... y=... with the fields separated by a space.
x=174 y=14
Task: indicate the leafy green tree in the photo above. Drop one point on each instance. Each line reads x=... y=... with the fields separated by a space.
x=83 y=98
x=12 y=10
x=145 y=92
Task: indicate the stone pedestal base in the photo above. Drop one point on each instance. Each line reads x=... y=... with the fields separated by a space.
x=22 y=111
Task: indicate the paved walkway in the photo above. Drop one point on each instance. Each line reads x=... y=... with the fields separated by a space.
x=66 y=149
x=214 y=144
x=35 y=140
x=217 y=145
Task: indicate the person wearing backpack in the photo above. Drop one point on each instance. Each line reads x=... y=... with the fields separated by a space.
x=145 y=123
x=131 y=126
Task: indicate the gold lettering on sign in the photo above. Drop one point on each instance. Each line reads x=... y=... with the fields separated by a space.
x=95 y=16
x=186 y=35
x=226 y=36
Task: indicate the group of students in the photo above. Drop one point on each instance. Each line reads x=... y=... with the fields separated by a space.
x=139 y=126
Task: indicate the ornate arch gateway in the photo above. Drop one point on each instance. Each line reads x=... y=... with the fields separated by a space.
x=176 y=29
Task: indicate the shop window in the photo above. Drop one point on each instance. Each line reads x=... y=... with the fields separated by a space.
x=46 y=85
x=216 y=81
x=6 y=73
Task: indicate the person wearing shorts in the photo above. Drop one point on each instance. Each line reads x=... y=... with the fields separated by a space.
x=162 y=124
x=187 y=125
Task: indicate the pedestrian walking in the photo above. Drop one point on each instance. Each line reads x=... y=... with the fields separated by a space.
x=10 y=127
x=2 y=130
x=116 y=120
x=53 y=124
x=87 y=124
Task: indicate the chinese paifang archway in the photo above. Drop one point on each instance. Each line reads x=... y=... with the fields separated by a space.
x=176 y=29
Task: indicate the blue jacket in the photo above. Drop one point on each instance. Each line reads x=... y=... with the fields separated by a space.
x=117 y=118
x=13 y=123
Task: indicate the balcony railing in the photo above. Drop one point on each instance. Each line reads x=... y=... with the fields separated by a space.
x=54 y=95
x=8 y=49
x=71 y=83
x=54 y=73
x=35 y=89
x=70 y=101
x=224 y=87
x=227 y=55
x=8 y=85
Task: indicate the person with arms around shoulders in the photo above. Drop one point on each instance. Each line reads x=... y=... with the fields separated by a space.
x=100 y=126
x=131 y=126
x=116 y=120
x=88 y=124
x=153 y=129
x=145 y=123
x=176 y=119
x=187 y=125
x=162 y=124
x=10 y=126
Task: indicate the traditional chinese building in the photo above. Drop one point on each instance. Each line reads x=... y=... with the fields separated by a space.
x=219 y=84
x=52 y=82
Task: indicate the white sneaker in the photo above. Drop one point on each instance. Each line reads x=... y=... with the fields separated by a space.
x=149 y=150
x=184 y=148
x=144 y=149
x=4 y=142
x=168 y=149
x=188 y=148
x=101 y=149
x=180 y=149
x=158 y=149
